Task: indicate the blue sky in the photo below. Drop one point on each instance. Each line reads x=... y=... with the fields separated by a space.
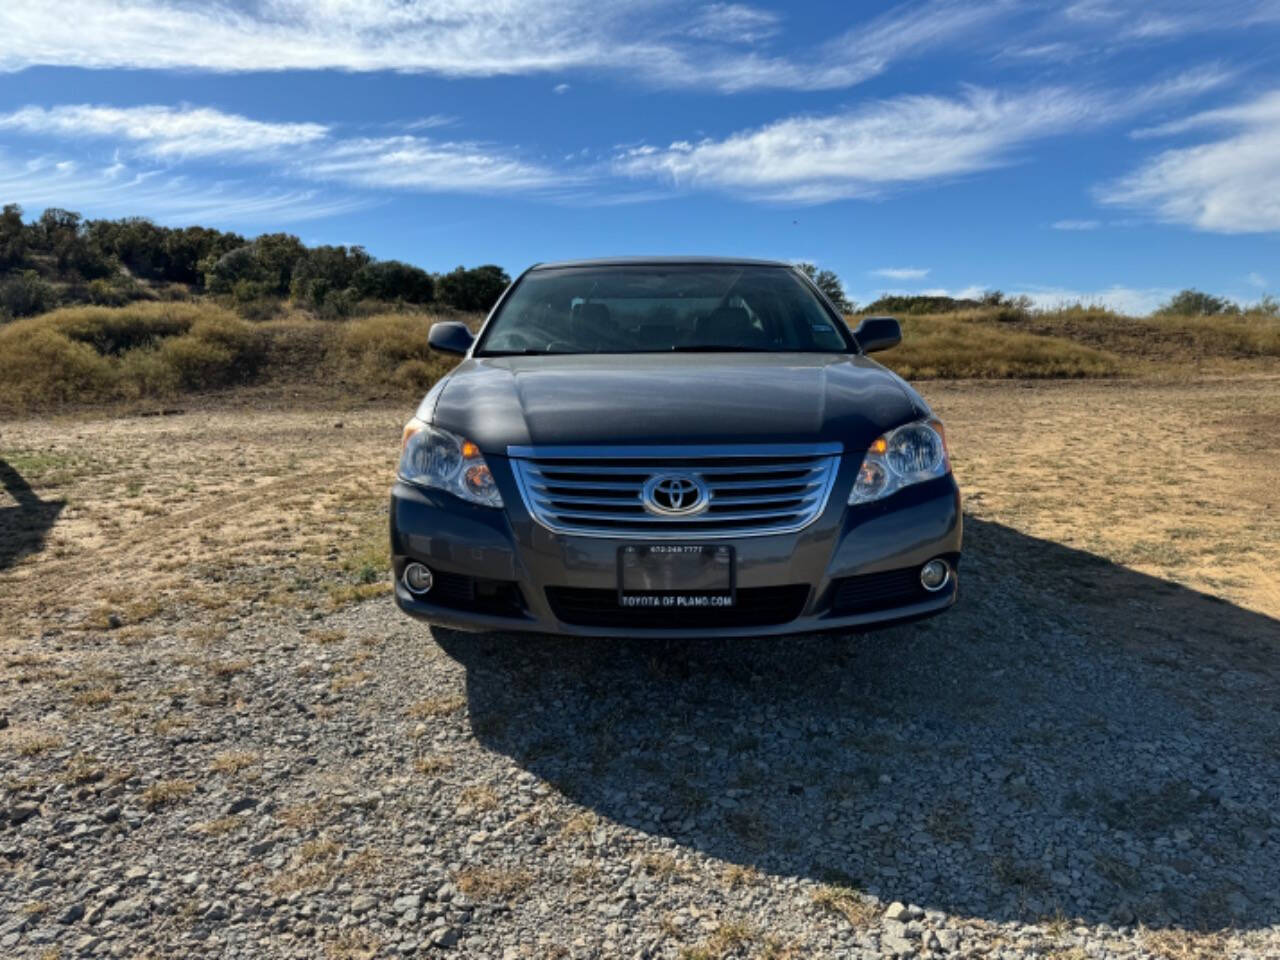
x=1111 y=150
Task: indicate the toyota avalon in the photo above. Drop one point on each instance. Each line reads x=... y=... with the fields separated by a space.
x=663 y=447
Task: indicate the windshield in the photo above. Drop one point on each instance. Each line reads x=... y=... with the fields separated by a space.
x=709 y=308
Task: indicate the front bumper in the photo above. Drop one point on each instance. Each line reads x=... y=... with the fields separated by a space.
x=522 y=569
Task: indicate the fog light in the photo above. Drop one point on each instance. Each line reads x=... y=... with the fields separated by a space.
x=934 y=575
x=417 y=578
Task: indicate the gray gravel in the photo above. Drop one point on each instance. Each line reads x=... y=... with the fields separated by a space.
x=1076 y=762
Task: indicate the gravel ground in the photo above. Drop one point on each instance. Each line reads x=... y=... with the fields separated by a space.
x=1078 y=761
x=219 y=739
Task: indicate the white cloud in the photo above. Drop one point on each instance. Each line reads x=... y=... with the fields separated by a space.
x=1135 y=301
x=733 y=23
x=461 y=38
x=1228 y=185
x=172 y=134
x=167 y=132
x=860 y=153
x=560 y=88
x=415 y=163
x=1257 y=280
x=909 y=139
x=119 y=189
x=902 y=273
x=1077 y=224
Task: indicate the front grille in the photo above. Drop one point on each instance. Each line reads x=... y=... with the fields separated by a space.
x=498 y=598
x=752 y=490
x=877 y=591
x=753 y=607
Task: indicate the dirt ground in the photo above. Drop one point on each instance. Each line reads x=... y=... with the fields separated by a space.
x=194 y=617
x=242 y=512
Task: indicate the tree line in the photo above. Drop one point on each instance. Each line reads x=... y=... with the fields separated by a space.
x=62 y=258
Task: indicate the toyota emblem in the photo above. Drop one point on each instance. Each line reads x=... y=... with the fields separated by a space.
x=675 y=494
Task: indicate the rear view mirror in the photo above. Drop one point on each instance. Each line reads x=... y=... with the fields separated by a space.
x=450 y=337
x=878 y=333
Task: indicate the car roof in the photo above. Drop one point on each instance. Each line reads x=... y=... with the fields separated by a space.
x=661 y=262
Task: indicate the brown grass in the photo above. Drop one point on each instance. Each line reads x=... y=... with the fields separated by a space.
x=162 y=793
x=493 y=883
x=859 y=912
x=436 y=706
x=80 y=355
x=34 y=744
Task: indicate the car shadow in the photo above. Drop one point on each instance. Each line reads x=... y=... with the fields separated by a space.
x=23 y=527
x=1073 y=739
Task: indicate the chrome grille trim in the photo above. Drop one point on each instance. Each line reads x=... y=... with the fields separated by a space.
x=756 y=490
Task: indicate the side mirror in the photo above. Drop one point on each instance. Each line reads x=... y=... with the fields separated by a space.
x=878 y=333
x=450 y=337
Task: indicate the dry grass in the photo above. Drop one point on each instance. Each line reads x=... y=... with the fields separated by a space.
x=162 y=793
x=479 y=798
x=1182 y=945
x=860 y=912
x=436 y=707
x=729 y=937
x=953 y=346
x=493 y=883
x=34 y=744
x=225 y=669
x=233 y=761
x=219 y=826
x=432 y=764
x=145 y=350
x=94 y=697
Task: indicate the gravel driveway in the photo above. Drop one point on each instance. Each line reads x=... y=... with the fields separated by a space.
x=219 y=739
x=1077 y=758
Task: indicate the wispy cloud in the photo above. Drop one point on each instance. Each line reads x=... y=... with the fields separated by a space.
x=905 y=140
x=1257 y=280
x=721 y=46
x=169 y=135
x=902 y=273
x=733 y=23
x=1228 y=185
x=117 y=188
x=1077 y=224
x=416 y=163
x=162 y=131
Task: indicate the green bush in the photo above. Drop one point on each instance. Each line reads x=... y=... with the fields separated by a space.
x=25 y=294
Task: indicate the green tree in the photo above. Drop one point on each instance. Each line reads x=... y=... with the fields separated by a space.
x=278 y=254
x=393 y=280
x=474 y=290
x=13 y=237
x=1194 y=303
x=63 y=235
x=829 y=283
x=322 y=272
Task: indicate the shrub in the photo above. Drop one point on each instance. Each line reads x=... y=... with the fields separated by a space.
x=391 y=348
x=115 y=331
x=1194 y=303
x=25 y=294
x=40 y=366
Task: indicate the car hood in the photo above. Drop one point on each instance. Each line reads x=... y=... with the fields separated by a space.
x=667 y=399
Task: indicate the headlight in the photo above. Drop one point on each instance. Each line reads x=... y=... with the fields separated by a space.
x=910 y=454
x=431 y=457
